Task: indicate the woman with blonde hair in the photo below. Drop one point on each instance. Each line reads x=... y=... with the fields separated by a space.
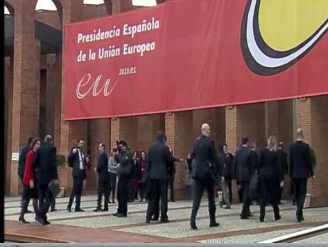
x=269 y=178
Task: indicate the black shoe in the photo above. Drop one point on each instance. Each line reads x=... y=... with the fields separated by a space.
x=69 y=209
x=154 y=219
x=105 y=210
x=164 y=220
x=97 y=210
x=277 y=218
x=300 y=218
x=147 y=221
x=214 y=224
x=53 y=210
x=46 y=222
x=23 y=221
x=261 y=219
x=193 y=226
x=79 y=210
x=244 y=217
x=40 y=221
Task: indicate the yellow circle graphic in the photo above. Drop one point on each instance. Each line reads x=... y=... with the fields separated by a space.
x=285 y=24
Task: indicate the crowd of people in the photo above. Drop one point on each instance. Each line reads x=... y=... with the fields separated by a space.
x=127 y=176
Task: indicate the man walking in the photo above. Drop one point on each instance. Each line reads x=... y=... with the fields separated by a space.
x=159 y=160
x=46 y=172
x=227 y=175
x=300 y=170
x=206 y=168
x=103 y=178
x=243 y=165
x=77 y=160
x=124 y=173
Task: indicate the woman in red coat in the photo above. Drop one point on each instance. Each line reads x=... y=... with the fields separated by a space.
x=29 y=183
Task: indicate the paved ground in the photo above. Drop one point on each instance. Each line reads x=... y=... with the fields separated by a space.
x=102 y=227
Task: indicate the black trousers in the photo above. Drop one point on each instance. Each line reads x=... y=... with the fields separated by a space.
x=245 y=212
x=171 y=185
x=103 y=190
x=123 y=195
x=44 y=200
x=157 y=193
x=76 y=192
x=112 y=188
x=269 y=194
x=198 y=188
x=300 y=188
x=27 y=194
x=52 y=200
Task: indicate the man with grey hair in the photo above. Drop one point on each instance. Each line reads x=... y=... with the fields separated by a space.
x=300 y=169
x=206 y=168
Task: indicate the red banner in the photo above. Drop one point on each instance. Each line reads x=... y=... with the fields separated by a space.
x=191 y=54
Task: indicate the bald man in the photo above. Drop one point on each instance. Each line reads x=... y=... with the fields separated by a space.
x=206 y=168
x=300 y=169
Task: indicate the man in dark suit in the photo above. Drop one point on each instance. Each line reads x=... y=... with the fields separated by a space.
x=244 y=165
x=21 y=163
x=206 y=169
x=159 y=160
x=78 y=161
x=46 y=172
x=103 y=178
x=124 y=174
x=300 y=170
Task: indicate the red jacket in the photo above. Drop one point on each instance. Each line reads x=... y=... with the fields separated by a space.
x=28 y=171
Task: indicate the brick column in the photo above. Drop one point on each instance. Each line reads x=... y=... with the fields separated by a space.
x=178 y=129
x=25 y=99
x=272 y=119
x=8 y=83
x=232 y=135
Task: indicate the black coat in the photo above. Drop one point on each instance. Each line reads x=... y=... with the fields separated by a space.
x=21 y=161
x=228 y=165
x=46 y=164
x=300 y=160
x=269 y=166
x=159 y=161
x=102 y=167
x=243 y=164
x=74 y=162
x=206 y=164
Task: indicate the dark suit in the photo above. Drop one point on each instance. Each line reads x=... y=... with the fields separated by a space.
x=103 y=180
x=206 y=168
x=300 y=170
x=78 y=163
x=269 y=181
x=159 y=160
x=45 y=172
x=244 y=168
x=124 y=172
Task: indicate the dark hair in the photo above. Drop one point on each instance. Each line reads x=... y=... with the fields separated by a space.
x=33 y=143
x=244 y=140
x=161 y=137
x=29 y=140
